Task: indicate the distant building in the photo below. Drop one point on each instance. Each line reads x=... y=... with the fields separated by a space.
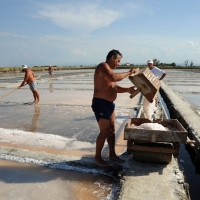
x=127 y=64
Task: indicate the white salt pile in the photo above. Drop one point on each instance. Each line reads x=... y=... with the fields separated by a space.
x=152 y=126
x=42 y=140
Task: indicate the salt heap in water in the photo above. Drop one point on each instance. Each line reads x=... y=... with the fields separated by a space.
x=152 y=126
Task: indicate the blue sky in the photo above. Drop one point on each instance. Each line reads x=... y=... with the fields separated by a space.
x=63 y=32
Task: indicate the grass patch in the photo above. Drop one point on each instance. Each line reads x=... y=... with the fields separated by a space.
x=45 y=68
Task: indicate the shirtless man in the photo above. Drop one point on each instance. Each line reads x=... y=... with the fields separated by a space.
x=30 y=80
x=50 y=70
x=105 y=93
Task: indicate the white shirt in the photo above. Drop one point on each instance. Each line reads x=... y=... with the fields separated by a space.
x=157 y=72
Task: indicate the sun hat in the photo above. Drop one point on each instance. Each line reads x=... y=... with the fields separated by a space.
x=149 y=61
x=24 y=67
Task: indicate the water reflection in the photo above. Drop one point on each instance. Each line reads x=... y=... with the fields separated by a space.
x=33 y=127
x=188 y=161
x=51 y=86
x=194 y=158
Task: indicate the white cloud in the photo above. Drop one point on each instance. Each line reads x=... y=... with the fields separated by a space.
x=77 y=52
x=167 y=50
x=62 y=49
x=81 y=17
x=194 y=46
x=13 y=35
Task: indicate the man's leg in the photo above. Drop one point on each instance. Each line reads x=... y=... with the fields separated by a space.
x=36 y=96
x=111 y=139
x=104 y=126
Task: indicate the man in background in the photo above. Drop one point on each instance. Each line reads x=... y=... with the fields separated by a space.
x=30 y=80
x=105 y=93
x=160 y=74
x=150 y=108
x=50 y=70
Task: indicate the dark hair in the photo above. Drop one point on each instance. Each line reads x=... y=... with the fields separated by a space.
x=114 y=53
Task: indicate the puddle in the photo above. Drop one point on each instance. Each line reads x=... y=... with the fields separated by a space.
x=27 y=181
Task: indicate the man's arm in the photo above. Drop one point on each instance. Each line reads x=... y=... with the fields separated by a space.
x=24 y=81
x=123 y=90
x=120 y=76
x=162 y=76
x=114 y=77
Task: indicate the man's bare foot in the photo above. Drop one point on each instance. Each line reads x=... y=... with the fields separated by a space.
x=116 y=158
x=38 y=102
x=101 y=162
x=33 y=102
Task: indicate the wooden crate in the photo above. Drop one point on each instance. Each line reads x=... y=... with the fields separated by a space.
x=175 y=133
x=146 y=83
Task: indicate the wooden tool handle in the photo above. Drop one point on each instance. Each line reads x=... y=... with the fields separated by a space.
x=16 y=89
x=136 y=71
x=134 y=93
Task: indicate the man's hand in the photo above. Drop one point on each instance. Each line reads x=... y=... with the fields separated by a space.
x=133 y=71
x=131 y=89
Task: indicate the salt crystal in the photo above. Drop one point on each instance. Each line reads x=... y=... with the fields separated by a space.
x=152 y=126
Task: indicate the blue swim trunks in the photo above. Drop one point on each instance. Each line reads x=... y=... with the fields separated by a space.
x=102 y=108
x=33 y=86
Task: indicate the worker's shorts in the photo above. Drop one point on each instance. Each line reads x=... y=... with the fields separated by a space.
x=102 y=108
x=33 y=86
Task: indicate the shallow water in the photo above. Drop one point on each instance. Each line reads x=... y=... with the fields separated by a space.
x=186 y=83
x=26 y=181
x=64 y=121
x=193 y=99
x=190 y=170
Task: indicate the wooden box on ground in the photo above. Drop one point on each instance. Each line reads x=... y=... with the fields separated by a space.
x=154 y=145
x=175 y=131
x=146 y=83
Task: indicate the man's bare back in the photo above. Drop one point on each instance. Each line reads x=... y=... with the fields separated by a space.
x=50 y=69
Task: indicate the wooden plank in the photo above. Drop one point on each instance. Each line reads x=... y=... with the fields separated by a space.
x=174 y=123
x=138 y=121
x=135 y=93
x=153 y=149
x=152 y=136
x=145 y=156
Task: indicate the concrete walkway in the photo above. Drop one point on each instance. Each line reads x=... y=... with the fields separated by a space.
x=153 y=182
